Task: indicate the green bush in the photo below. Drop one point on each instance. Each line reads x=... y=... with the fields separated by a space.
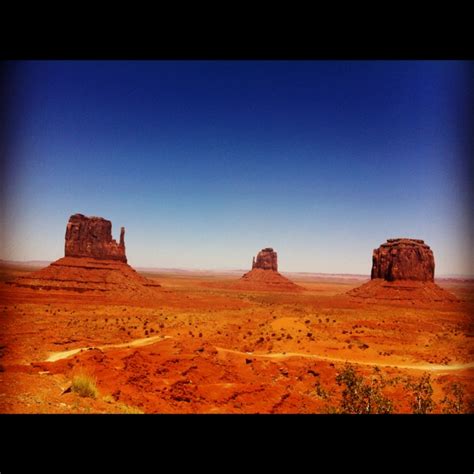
x=361 y=397
x=422 y=393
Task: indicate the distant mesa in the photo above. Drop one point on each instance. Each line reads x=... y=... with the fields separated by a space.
x=93 y=262
x=264 y=274
x=403 y=269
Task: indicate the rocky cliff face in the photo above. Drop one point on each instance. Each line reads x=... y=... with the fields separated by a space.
x=267 y=259
x=92 y=237
x=403 y=259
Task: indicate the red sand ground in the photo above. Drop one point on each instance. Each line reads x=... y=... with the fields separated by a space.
x=216 y=349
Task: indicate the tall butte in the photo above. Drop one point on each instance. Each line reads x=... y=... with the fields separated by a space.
x=264 y=274
x=93 y=262
x=403 y=269
x=92 y=237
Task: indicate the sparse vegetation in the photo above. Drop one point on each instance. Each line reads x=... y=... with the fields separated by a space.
x=361 y=397
x=320 y=391
x=130 y=410
x=453 y=402
x=364 y=396
x=422 y=392
x=108 y=399
x=85 y=386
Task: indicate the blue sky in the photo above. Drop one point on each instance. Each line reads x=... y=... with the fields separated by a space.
x=206 y=162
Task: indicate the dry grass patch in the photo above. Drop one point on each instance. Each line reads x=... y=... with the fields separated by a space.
x=85 y=386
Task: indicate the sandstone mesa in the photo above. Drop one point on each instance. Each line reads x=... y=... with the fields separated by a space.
x=402 y=269
x=403 y=259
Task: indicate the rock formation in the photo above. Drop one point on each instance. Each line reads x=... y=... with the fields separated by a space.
x=267 y=259
x=93 y=262
x=92 y=237
x=403 y=259
x=264 y=275
x=402 y=269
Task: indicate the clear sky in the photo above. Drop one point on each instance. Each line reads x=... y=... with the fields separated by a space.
x=207 y=162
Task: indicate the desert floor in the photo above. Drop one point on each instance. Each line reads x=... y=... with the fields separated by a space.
x=200 y=346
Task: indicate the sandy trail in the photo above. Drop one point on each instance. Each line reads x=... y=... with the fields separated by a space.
x=285 y=355
x=55 y=356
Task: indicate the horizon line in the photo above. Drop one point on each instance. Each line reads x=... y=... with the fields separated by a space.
x=231 y=269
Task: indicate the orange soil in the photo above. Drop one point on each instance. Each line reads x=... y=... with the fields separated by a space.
x=208 y=346
x=425 y=291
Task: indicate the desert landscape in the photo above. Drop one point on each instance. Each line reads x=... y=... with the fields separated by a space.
x=236 y=237
x=89 y=334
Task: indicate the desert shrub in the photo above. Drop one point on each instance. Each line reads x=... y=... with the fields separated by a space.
x=130 y=410
x=453 y=402
x=331 y=410
x=108 y=399
x=422 y=393
x=360 y=396
x=321 y=392
x=85 y=386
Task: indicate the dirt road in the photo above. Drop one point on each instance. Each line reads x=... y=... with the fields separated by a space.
x=55 y=356
x=286 y=355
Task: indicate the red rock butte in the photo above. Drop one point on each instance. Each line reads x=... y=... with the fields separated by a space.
x=267 y=259
x=264 y=275
x=92 y=237
x=403 y=259
x=93 y=262
x=403 y=269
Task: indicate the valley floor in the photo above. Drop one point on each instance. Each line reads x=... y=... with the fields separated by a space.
x=201 y=346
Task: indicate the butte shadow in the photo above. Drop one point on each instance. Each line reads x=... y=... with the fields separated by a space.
x=403 y=269
x=94 y=263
